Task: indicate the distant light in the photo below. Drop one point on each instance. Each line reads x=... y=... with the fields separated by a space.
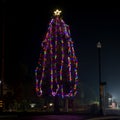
x=0 y=81
x=32 y=105
x=44 y=106
x=114 y=105
x=50 y=104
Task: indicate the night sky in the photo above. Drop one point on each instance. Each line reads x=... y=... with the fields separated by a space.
x=26 y=25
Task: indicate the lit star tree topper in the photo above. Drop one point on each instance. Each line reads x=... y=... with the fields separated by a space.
x=56 y=72
x=57 y=12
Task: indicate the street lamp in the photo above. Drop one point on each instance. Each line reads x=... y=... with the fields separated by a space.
x=100 y=82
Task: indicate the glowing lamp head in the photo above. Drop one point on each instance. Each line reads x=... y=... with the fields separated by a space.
x=57 y=12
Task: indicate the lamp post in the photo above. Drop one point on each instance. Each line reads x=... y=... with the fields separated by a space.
x=100 y=82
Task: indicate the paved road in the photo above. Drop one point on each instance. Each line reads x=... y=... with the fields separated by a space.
x=55 y=117
x=59 y=117
x=69 y=117
x=43 y=117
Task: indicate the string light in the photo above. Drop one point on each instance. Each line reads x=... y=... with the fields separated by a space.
x=58 y=59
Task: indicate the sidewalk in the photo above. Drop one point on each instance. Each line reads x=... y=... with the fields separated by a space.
x=106 y=118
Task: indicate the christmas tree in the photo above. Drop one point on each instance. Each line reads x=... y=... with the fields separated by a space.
x=56 y=72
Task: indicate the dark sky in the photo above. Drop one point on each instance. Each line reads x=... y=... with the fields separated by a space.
x=26 y=25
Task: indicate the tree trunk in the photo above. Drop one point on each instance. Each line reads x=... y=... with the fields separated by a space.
x=56 y=104
x=66 y=104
